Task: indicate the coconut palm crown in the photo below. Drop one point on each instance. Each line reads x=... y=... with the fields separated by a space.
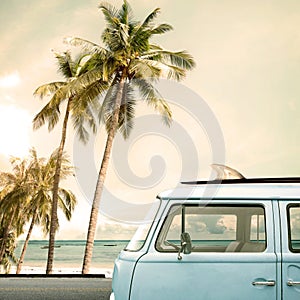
x=129 y=58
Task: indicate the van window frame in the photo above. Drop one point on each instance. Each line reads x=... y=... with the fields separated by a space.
x=180 y=205
x=150 y=226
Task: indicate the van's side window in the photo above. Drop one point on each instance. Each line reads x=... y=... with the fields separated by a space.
x=214 y=228
x=294 y=227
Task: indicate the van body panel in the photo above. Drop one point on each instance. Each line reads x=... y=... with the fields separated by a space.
x=204 y=278
x=290 y=260
x=122 y=274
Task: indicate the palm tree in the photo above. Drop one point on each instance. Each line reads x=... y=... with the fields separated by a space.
x=14 y=197
x=130 y=63
x=79 y=106
x=39 y=206
x=8 y=257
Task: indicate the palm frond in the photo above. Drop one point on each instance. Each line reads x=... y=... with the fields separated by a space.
x=108 y=103
x=87 y=117
x=144 y=68
x=85 y=80
x=94 y=62
x=116 y=40
x=174 y=73
x=84 y=108
x=79 y=121
x=127 y=111
x=81 y=131
x=110 y=68
x=85 y=45
x=6 y=179
x=110 y=13
x=46 y=224
x=65 y=64
x=154 y=99
x=150 y=18
x=48 y=89
x=48 y=114
x=154 y=47
x=117 y=33
x=138 y=33
x=160 y=29
x=67 y=202
x=66 y=167
x=125 y=14
x=180 y=59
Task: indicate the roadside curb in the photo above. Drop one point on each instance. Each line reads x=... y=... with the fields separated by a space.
x=52 y=276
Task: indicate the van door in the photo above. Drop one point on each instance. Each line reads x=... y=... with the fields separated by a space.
x=290 y=220
x=232 y=256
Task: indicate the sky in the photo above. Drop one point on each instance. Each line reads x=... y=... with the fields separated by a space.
x=240 y=105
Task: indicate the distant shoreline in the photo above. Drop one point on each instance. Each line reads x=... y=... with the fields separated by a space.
x=79 y=240
x=69 y=255
x=28 y=270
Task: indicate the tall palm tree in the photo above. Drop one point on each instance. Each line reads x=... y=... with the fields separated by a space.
x=79 y=106
x=130 y=63
x=39 y=206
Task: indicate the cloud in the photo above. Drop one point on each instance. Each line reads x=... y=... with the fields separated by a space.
x=108 y=231
x=10 y=80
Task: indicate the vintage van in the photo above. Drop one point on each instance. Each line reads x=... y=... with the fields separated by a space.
x=230 y=239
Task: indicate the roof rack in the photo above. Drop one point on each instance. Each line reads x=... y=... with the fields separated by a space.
x=246 y=180
x=227 y=175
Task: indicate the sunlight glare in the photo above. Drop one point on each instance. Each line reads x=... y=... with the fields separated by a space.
x=15 y=124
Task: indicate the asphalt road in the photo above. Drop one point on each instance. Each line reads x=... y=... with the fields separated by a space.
x=54 y=288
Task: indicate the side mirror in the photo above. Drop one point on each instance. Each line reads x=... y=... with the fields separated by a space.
x=186 y=245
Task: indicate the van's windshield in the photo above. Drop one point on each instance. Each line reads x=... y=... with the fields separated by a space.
x=140 y=236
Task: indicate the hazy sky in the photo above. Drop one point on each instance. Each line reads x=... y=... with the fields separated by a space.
x=248 y=73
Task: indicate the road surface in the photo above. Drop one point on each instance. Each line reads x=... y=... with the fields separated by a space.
x=54 y=288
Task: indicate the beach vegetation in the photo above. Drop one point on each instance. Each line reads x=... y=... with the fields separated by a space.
x=39 y=207
x=15 y=192
x=26 y=198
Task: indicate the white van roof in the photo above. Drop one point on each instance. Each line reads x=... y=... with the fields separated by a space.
x=253 y=188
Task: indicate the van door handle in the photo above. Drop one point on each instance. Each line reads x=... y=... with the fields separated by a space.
x=292 y=283
x=267 y=283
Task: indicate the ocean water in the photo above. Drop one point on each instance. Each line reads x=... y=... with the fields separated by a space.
x=69 y=253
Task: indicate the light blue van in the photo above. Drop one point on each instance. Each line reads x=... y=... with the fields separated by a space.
x=235 y=239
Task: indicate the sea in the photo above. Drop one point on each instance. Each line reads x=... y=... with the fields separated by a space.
x=68 y=255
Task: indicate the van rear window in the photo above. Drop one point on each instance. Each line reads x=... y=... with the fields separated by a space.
x=294 y=227
x=214 y=228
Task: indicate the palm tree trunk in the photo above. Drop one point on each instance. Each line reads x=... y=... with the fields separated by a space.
x=21 y=259
x=54 y=220
x=100 y=182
